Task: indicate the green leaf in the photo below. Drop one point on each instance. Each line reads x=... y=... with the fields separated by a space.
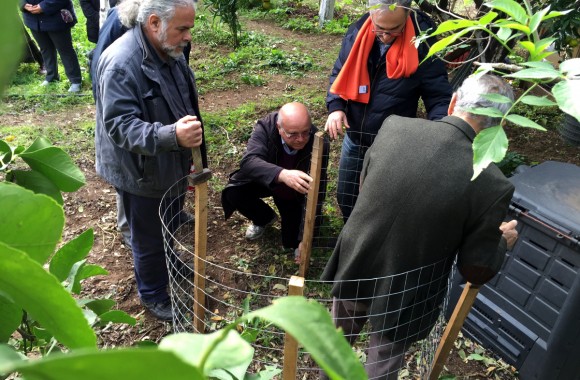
x=535 y=73
x=9 y=358
x=511 y=8
x=475 y=357
x=487 y=111
x=99 y=306
x=10 y=315
x=265 y=374
x=310 y=324
x=537 y=18
x=81 y=271
x=70 y=253
x=570 y=67
x=524 y=122
x=538 y=101
x=538 y=65
x=453 y=25
x=556 y=14
x=38 y=183
x=126 y=364
x=55 y=164
x=566 y=94
x=504 y=33
x=497 y=98
x=232 y=354
x=490 y=145
x=11 y=41
x=487 y=18
x=43 y=297
x=29 y=222
x=529 y=46
x=461 y=354
x=5 y=154
x=117 y=316
x=513 y=25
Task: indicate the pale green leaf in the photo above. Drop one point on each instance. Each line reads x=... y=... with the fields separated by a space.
x=475 y=357
x=538 y=101
x=524 y=122
x=497 y=98
x=566 y=94
x=543 y=44
x=232 y=353
x=38 y=183
x=117 y=316
x=126 y=364
x=267 y=374
x=10 y=315
x=453 y=25
x=56 y=165
x=487 y=111
x=490 y=145
x=513 y=25
x=556 y=14
x=571 y=67
x=11 y=41
x=81 y=271
x=9 y=358
x=504 y=33
x=487 y=18
x=537 y=18
x=5 y=154
x=534 y=73
x=310 y=324
x=70 y=253
x=39 y=293
x=511 y=8
x=538 y=65
x=29 y=222
x=529 y=46
x=98 y=306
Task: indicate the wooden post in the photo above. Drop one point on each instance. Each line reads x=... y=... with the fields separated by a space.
x=295 y=288
x=200 y=254
x=311 y=203
x=452 y=330
x=326 y=12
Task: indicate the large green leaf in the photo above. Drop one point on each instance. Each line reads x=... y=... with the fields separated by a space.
x=566 y=94
x=310 y=324
x=453 y=25
x=126 y=364
x=38 y=183
x=524 y=122
x=538 y=101
x=10 y=315
x=38 y=292
x=98 y=306
x=571 y=68
x=233 y=353
x=70 y=253
x=490 y=145
x=497 y=98
x=487 y=111
x=537 y=17
x=535 y=73
x=117 y=316
x=511 y=8
x=29 y=222
x=11 y=41
x=55 y=164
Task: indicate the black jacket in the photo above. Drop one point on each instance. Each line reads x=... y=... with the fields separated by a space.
x=91 y=11
x=391 y=96
x=51 y=19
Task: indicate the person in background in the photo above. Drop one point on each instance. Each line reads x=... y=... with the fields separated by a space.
x=417 y=210
x=148 y=120
x=378 y=74
x=50 y=22
x=90 y=9
x=275 y=165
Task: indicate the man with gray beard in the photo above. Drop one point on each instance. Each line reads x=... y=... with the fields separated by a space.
x=148 y=120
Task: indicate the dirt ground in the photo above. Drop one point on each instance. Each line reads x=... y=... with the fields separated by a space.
x=94 y=207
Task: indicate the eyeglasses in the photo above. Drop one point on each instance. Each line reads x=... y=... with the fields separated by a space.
x=384 y=33
x=294 y=135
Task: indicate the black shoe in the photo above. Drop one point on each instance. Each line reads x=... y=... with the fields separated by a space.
x=161 y=310
x=185 y=218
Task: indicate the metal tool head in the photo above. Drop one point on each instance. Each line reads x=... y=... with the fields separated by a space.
x=197 y=178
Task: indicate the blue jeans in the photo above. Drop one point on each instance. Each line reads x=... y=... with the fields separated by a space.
x=147 y=242
x=351 y=161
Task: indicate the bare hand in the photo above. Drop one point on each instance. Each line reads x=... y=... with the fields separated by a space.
x=35 y=9
x=188 y=132
x=298 y=253
x=334 y=124
x=296 y=180
x=509 y=232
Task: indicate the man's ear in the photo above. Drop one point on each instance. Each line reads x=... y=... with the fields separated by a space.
x=154 y=23
x=452 y=104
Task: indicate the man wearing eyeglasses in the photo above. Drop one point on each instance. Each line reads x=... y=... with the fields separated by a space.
x=377 y=74
x=275 y=164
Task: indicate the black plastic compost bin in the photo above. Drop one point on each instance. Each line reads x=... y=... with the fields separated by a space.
x=529 y=313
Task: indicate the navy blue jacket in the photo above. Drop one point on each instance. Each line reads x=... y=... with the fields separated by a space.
x=391 y=96
x=50 y=20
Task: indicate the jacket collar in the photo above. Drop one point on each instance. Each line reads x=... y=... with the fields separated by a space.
x=460 y=124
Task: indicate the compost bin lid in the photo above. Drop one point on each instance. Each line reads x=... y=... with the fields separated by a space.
x=550 y=190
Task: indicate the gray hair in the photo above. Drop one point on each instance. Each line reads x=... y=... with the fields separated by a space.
x=165 y=9
x=127 y=11
x=470 y=95
x=380 y=4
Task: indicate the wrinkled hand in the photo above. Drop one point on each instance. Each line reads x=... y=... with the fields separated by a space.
x=188 y=132
x=334 y=124
x=296 y=180
x=509 y=232
x=34 y=9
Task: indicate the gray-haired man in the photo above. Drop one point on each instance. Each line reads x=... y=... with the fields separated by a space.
x=147 y=120
x=416 y=211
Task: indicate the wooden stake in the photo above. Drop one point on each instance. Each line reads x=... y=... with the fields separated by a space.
x=295 y=288
x=200 y=254
x=452 y=330
x=311 y=203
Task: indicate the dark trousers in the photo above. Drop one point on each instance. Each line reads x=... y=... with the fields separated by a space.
x=147 y=241
x=350 y=166
x=247 y=199
x=384 y=357
x=61 y=41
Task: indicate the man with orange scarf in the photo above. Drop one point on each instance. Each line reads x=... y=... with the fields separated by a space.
x=377 y=74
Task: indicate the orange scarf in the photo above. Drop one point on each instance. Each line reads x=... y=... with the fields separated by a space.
x=353 y=82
